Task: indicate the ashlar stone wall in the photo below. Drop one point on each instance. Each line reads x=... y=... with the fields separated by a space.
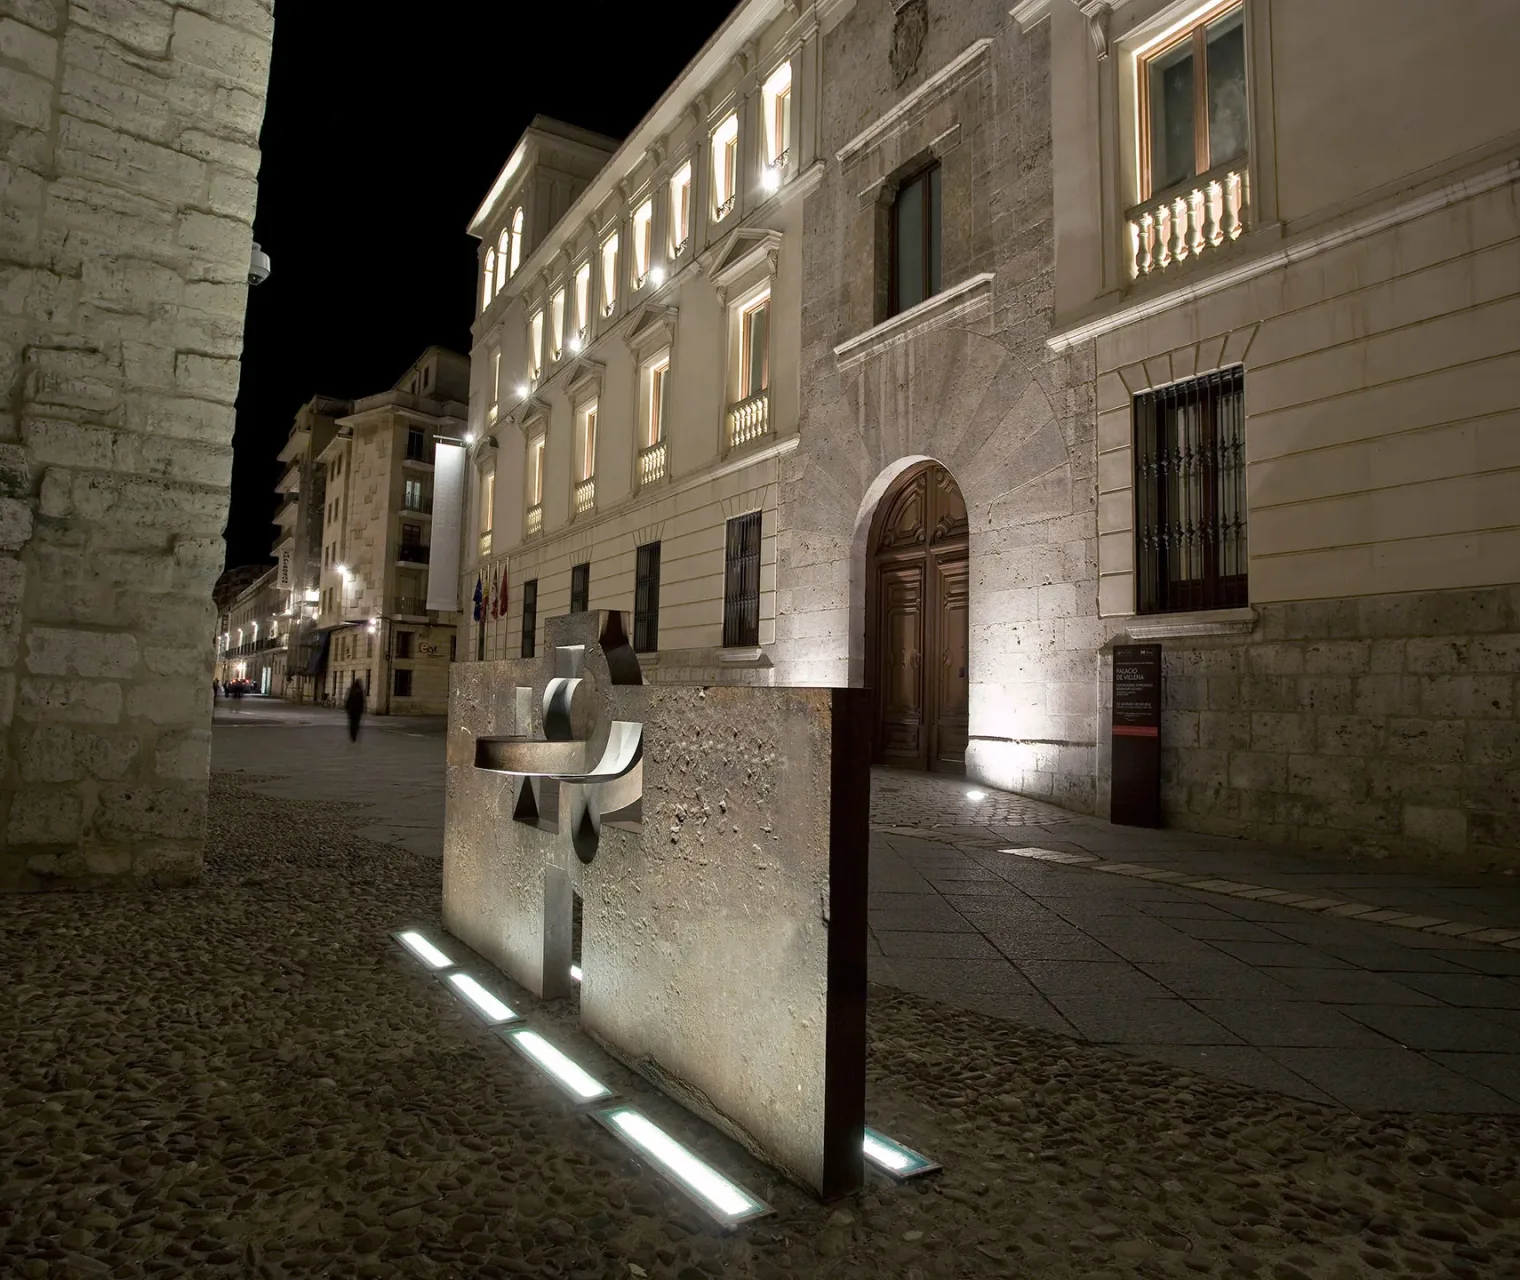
x=128 y=166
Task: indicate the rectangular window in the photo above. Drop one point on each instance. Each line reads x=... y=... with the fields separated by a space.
x=741 y=582
x=412 y=495
x=646 y=599
x=495 y=382
x=404 y=644
x=556 y=324
x=776 y=105
x=536 y=471
x=680 y=208
x=529 y=616
x=725 y=166
x=582 y=304
x=453 y=648
x=585 y=442
x=580 y=588
x=915 y=241
x=535 y=344
x=755 y=348
x=403 y=682
x=643 y=241
x=655 y=375
x=1193 y=101
x=414 y=443
x=609 y=274
x=1190 y=495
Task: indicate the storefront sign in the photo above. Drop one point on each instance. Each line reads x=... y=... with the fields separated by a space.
x=1136 y=798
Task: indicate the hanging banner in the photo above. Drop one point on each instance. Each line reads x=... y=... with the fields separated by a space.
x=283 y=579
x=448 y=513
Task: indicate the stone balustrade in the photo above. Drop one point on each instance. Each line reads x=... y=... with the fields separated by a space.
x=535 y=519
x=652 y=463
x=584 y=496
x=1189 y=220
x=749 y=419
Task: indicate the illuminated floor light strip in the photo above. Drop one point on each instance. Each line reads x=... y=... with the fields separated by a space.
x=976 y=797
x=481 y=1000
x=423 y=949
x=578 y=1083
x=575 y=973
x=725 y=1202
x=893 y=1158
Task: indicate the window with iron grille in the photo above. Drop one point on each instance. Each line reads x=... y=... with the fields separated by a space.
x=403 y=682
x=646 y=599
x=580 y=587
x=414 y=442
x=1190 y=495
x=741 y=582
x=530 y=616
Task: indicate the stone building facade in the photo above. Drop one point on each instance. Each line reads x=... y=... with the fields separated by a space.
x=128 y=164
x=1346 y=255
x=635 y=368
x=376 y=522
x=254 y=637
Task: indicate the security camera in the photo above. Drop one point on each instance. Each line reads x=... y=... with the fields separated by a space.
x=258 y=265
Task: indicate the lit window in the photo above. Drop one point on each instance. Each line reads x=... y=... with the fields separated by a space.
x=725 y=166
x=656 y=372
x=755 y=366
x=495 y=383
x=503 y=249
x=915 y=242
x=487 y=516
x=557 y=324
x=535 y=343
x=609 y=274
x=582 y=301
x=536 y=471
x=585 y=442
x=517 y=238
x=776 y=101
x=680 y=208
x=643 y=241
x=1193 y=101
x=488 y=287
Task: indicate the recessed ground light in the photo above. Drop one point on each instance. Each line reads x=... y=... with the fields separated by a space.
x=893 y=1158
x=976 y=797
x=481 y=1000
x=575 y=973
x=579 y=1084
x=422 y=949
x=725 y=1202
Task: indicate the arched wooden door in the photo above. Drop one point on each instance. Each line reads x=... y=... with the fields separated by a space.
x=916 y=630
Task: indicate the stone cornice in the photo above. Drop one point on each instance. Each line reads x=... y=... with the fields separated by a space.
x=938 y=86
x=959 y=300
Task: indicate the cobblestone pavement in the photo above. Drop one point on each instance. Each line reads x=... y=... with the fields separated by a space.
x=248 y=1079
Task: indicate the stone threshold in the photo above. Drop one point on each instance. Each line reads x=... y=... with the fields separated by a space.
x=1509 y=938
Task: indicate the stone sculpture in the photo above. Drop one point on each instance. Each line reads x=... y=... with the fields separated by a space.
x=716 y=837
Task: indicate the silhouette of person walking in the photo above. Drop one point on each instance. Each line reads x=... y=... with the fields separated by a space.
x=354 y=704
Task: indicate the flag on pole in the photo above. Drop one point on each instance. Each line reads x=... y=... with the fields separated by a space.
x=477 y=597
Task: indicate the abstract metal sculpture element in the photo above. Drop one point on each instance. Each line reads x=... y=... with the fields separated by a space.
x=716 y=837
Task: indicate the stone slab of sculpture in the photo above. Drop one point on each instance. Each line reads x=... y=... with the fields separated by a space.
x=716 y=837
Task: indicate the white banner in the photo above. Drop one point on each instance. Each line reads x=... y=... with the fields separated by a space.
x=282 y=578
x=448 y=516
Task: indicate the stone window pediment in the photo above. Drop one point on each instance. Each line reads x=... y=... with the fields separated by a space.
x=748 y=252
x=583 y=379
x=651 y=327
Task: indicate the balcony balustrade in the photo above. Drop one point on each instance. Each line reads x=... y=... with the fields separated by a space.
x=422 y=505
x=749 y=419
x=411 y=606
x=1189 y=220
x=485 y=544
x=412 y=553
x=535 y=519
x=584 y=496
x=652 y=463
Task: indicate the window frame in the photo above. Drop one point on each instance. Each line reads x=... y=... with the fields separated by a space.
x=654 y=372
x=1195 y=32
x=580 y=586
x=776 y=100
x=528 y=632
x=517 y=238
x=680 y=208
x=535 y=344
x=488 y=279
x=646 y=598
x=557 y=324
x=581 y=281
x=725 y=166
x=761 y=301
x=397 y=674
x=741 y=580
x=583 y=462
x=641 y=260
x=609 y=281
x=534 y=470
x=931 y=245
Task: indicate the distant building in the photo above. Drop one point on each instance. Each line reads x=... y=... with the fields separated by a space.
x=254 y=636
x=376 y=526
x=298 y=545
x=233 y=582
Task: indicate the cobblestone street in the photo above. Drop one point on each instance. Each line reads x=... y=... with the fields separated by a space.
x=248 y=1079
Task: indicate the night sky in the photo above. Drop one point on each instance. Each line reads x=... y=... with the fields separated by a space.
x=381 y=137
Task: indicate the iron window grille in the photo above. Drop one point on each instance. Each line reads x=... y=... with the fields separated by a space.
x=646 y=599
x=530 y=616
x=1190 y=495
x=741 y=582
x=580 y=588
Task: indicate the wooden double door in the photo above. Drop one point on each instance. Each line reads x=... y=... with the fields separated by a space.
x=918 y=593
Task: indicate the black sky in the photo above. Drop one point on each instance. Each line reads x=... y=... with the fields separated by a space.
x=381 y=137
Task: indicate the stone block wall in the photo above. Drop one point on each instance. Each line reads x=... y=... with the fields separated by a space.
x=128 y=165
x=1385 y=725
